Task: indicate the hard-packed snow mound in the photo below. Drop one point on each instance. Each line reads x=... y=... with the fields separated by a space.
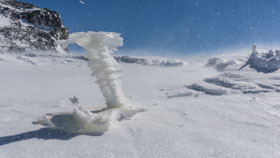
x=179 y=94
x=152 y=62
x=264 y=61
x=238 y=86
x=220 y=64
x=207 y=89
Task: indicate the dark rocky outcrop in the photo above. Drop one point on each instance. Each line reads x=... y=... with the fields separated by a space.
x=219 y=64
x=263 y=61
x=31 y=28
x=151 y=62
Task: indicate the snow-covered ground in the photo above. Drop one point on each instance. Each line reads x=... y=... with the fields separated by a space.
x=193 y=110
x=4 y=21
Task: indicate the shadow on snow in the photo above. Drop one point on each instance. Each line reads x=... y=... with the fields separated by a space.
x=43 y=133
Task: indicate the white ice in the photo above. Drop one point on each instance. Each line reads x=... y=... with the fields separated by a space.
x=100 y=48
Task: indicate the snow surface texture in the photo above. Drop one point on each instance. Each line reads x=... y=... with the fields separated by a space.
x=4 y=21
x=179 y=122
x=264 y=61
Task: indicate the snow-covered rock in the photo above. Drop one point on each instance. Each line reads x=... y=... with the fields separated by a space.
x=26 y=27
x=264 y=61
x=153 y=62
x=220 y=64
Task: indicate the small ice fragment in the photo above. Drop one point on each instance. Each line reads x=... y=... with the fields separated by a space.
x=74 y=100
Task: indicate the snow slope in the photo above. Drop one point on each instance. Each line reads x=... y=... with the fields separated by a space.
x=179 y=122
x=4 y=21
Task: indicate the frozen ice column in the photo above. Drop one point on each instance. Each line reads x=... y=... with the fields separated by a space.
x=99 y=47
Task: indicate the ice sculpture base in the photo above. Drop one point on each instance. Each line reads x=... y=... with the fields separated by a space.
x=90 y=121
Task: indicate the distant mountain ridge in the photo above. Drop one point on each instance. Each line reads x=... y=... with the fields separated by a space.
x=25 y=27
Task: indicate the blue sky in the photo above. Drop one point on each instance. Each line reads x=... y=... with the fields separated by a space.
x=183 y=26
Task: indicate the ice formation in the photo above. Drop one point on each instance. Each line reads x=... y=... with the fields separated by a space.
x=264 y=61
x=99 y=47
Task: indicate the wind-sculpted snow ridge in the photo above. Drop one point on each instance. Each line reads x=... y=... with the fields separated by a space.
x=224 y=82
x=150 y=62
x=51 y=55
x=206 y=90
x=180 y=94
x=264 y=61
x=232 y=82
x=99 y=47
x=246 y=86
x=43 y=58
x=220 y=64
